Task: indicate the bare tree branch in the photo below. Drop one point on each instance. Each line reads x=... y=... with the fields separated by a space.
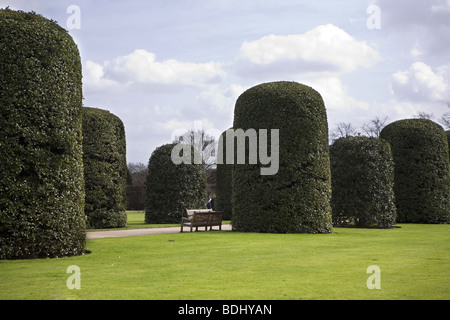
x=373 y=127
x=343 y=130
x=205 y=144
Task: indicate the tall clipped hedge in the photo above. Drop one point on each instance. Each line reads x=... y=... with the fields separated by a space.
x=422 y=181
x=297 y=198
x=447 y=133
x=173 y=188
x=41 y=168
x=362 y=175
x=105 y=169
x=223 y=181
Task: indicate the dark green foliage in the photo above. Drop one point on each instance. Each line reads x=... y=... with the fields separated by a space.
x=362 y=175
x=105 y=169
x=297 y=198
x=447 y=133
x=422 y=181
x=223 y=181
x=171 y=188
x=41 y=168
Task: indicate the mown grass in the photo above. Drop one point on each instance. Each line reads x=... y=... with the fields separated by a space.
x=136 y=220
x=414 y=262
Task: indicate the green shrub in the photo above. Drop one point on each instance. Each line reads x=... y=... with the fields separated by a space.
x=422 y=181
x=223 y=181
x=172 y=188
x=297 y=198
x=362 y=176
x=41 y=168
x=447 y=133
x=105 y=169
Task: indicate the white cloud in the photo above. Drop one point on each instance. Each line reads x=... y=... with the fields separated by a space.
x=94 y=80
x=335 y=95
x=421 y=83
x=325 y=48
x=441 y=6
x=219 y=98
x=141 y=69
x=141 y=66
x=417 y=22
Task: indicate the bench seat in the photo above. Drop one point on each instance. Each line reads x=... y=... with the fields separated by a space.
x=202 y=218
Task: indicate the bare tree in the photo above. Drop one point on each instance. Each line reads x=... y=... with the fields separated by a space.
x=445 y=120
x=373 y=127
x=138 y=172
x=424 y=115
x=202 y=142
x=343 y=130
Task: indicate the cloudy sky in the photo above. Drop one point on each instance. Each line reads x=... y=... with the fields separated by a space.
x=165 y=66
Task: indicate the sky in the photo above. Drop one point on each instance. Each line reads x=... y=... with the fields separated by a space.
x=167 y=66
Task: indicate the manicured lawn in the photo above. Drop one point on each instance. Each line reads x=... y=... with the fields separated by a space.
x=414 y=261
x=136 y=220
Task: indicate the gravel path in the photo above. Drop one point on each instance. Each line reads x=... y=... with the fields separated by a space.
x=144 y=231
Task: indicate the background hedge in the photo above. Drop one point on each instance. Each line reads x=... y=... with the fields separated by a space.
x=422 y=181
x=447 y=133
x=41 y=168
x=362 y=175
x=297 y=198
x=171 y=188
x=105 y=169
x=223 y=181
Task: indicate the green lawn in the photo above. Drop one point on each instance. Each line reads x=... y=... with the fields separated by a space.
x=136 y=220
x=414 y=262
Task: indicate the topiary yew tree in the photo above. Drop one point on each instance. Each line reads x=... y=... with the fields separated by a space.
x=297 y=198
x=447 y=133
x=173 y=188
x=105 y=169
x=223 y=181
x=422 y=180
x=41 y=168
x=362 y=175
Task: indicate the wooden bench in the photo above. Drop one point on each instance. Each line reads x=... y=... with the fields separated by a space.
x=190 y=212
x=202 y=218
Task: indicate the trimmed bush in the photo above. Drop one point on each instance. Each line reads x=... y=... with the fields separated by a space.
x=41 y=167
x=422 y=180
x=297 y=198
x=172 y=188
x=362 y=175
x=223 y=181
x=447 y=133
x=105 y=169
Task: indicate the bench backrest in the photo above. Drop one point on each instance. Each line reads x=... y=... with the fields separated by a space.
x=200 y=218
x=190 y=212
x=215 y=218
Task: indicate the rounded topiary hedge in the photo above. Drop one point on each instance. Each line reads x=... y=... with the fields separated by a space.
x=422 y=181
x=297 y=198
x=362 y=175
x=447 y=133
x=173 y=188
x=223 y=181
x=41 y=168
x=105 y=169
